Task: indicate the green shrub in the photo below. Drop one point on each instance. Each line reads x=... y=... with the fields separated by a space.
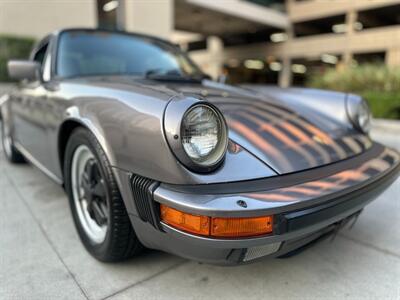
x=378 y=84
x=383 y=104
x=13 y=47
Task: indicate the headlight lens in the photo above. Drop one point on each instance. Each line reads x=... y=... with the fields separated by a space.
x=358 y=113
x=203 y=135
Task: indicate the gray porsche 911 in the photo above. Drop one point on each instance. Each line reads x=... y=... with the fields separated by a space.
x=152 y=153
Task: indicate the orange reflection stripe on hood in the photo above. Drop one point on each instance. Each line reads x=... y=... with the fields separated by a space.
x=356 y=175
x=307 y=126
x=282 y=137
x=259 y=142
x=272 y=197
x=285 y=139
x=323 y=184
x=352 y=144
x=306 y=139
x=303 y=190
x=320 y=187
x=326 y=139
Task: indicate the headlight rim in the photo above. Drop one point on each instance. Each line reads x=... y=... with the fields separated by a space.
x=354 y=106
x=221 y=144
x=173 y=119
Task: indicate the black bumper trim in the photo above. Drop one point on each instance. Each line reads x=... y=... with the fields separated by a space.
x=351 y=202
x=142 y=190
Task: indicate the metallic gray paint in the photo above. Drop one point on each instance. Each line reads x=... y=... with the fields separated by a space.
x=23 y=69
x=120 y=112
x=126 y=114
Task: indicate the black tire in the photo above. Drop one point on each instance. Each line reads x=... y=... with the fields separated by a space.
x=120 y=242
x=11 y=153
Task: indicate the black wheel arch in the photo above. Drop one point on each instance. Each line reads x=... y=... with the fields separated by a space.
x=64 y=134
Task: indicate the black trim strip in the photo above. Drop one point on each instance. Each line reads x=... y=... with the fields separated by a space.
x=142 y=190
x=351 y=202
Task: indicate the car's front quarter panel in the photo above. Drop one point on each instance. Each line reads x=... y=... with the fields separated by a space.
x=123 y=123
x=129 y=126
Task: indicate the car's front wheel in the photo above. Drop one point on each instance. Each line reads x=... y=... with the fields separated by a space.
x=96 y=203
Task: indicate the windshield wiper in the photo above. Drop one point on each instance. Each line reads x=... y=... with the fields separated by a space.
x=173 y=75
x=156 y=73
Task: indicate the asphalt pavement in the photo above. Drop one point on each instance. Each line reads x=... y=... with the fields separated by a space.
x=41 y=256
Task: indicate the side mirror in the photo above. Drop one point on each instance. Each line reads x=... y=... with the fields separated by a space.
x=24 y=69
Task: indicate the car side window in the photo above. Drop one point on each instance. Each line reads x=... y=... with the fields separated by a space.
x=40 y=54
x=43 y=58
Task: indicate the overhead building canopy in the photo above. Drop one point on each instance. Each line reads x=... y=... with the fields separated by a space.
x=226 y=17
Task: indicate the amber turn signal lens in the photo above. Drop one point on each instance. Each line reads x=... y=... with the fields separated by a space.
x=234 y=227
x=186 y=222
x=217 y=227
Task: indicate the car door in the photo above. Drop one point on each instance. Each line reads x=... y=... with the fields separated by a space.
x=29 y=107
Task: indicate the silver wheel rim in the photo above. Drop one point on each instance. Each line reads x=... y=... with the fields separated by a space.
x=7 y=141
x=95 y=232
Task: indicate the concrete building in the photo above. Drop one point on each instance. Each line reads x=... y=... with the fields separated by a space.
x=266 y=41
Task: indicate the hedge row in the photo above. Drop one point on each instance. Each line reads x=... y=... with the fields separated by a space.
x=378 y=84
x=13 y=47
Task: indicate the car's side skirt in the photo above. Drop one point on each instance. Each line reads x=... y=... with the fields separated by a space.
x=37 y=164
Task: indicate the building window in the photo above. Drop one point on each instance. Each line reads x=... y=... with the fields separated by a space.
x=380 y=17
x=333 y=24
x=369 y=57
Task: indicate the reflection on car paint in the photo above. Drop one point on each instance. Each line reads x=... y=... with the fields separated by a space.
x=281 y=135
x=333 y=183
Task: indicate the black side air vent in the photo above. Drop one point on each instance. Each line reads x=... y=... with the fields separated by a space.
x=142 y=189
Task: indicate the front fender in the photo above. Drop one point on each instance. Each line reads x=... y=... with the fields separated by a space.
x=130 y=128
x=73 y=115
x=3 y=100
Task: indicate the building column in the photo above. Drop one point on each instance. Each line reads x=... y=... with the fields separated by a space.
x=351 y=18
x=215 y=49
x=393 y=57
x=154 y=17
x=285 y=75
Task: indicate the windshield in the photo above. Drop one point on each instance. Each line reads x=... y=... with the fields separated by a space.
x=91 y=53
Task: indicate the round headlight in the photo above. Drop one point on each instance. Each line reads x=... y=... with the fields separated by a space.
x=204 y=135
x=359 y=113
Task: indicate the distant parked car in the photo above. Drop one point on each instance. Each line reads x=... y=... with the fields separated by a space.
x=152 y=152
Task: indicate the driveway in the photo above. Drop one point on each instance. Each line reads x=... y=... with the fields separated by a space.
x=41 y=256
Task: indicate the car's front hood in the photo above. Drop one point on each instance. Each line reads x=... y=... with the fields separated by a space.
x=287 y=136
x=288 y=129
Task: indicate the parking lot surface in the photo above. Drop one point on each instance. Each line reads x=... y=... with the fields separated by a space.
x=41 y=256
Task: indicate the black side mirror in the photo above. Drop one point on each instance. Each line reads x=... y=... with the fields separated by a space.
x=24 y=69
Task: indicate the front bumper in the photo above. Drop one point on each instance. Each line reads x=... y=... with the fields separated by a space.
x=305 y=205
